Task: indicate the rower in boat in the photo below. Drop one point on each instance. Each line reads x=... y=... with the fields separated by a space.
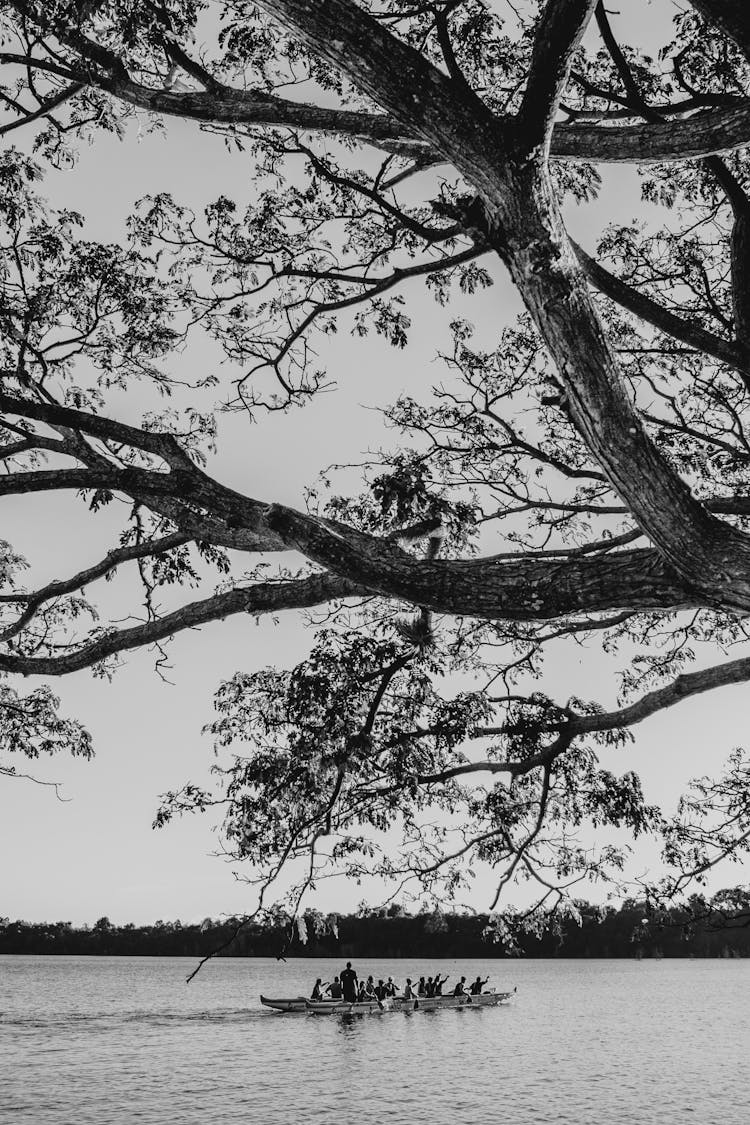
x=421 y=987
x=460 y=989
x=381 y=991
x=362 y=993
x=477 y=986
x=335 y=989
x=317 y=992
x=439 y=983
x=391 y=988
x=410 y=992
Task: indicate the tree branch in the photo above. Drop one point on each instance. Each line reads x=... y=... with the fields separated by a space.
x=45 y=108
x=263 y=598
x=688 y=331
x=32 y=601
x=683 y=687
x=558 y=34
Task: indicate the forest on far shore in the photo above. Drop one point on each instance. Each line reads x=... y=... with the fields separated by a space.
x=716 y=927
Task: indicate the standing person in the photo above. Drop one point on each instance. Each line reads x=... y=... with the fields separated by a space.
x=477 y=986
x=460 y=989
x=335 y=989
x=439 y=984
x=349 y=983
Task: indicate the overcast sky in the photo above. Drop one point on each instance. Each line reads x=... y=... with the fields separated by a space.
x=97 y=854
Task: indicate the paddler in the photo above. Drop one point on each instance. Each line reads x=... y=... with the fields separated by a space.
x=317 y=992
x=439 y=983
x=335 y=989
x=477 y=986
x=391 y=988
x=409 y=993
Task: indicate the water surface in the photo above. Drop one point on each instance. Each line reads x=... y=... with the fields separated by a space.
x=104 y=1041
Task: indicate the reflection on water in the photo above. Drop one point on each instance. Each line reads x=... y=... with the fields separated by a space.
x=105 y=1041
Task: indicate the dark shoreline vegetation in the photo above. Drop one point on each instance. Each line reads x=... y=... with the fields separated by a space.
x=719 y=927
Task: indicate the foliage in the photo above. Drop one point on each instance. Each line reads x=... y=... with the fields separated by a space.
x=706 y=928
x=578 y=476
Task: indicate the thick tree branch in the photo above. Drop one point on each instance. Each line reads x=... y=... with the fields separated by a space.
x=558 y=34
x=709 y=131
x=523 y=588
x=713 y=130
x=160 y=445
x=265 y=597
x=740 y=271
x=526 y=228
x=396 y=76
x=225 y=105
x=683 y=687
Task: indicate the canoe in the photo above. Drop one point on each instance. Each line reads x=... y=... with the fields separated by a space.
x=429 y=1003
x=343 y=1008
x=291 y=1003
x=394 y=1003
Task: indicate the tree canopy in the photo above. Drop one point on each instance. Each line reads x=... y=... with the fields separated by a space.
x=580 y=472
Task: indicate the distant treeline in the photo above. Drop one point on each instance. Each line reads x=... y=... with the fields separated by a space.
x=719 y=928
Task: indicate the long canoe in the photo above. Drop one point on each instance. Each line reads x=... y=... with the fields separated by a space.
x=394 y=1003
x=291 y=1003
x=344 y=1008
x=429 y=1003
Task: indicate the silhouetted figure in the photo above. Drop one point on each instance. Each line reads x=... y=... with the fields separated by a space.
x=349 y=983
x=477 y=986
x=460 y=989
x=317 y=992
x=335 y=989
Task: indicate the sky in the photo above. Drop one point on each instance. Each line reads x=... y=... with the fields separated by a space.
x=95 y=853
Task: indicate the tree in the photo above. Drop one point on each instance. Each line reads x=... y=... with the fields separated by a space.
x=583 y=475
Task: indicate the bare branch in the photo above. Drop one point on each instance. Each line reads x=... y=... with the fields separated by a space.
x=688 y=331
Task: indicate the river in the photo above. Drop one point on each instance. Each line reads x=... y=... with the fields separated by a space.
x=104 y=1041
